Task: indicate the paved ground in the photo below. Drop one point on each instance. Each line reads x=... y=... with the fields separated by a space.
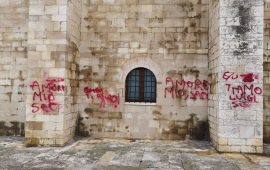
x=125 y=155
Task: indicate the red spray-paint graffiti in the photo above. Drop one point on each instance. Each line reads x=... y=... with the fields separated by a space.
x=184 y=89
x=245 y=94
x=102 y=95
x=44 y=95
x=247 y=78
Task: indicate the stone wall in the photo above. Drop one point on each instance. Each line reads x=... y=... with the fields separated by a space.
x=238 y=119
x=61 y=58
x=266 y=73
x=74 y=12
x=168 y=37
x=73 y=36
x=13 y=62
x=50 y=107
x=213 y=59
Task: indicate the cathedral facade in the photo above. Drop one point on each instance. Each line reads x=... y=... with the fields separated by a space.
x=136 y=69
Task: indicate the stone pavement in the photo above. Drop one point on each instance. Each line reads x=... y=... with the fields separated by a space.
x=125 y=155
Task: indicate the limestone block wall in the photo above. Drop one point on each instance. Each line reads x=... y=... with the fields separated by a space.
x=74 y=12
x=213 y=59
x=239 y=117
x=13 y=62
x=266 y=68
x=168 y=37
x=73 y=36
x=50 y=112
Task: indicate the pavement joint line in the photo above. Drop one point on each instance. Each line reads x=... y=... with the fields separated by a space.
x=184 y=154
x=142 y=158
x=248 y=158
x=182 y=163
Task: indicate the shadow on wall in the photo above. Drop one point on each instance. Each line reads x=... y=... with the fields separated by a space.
x=266 y=130
x=81 y=129
x=73 y=67
x=191 y=128
x=15 y=128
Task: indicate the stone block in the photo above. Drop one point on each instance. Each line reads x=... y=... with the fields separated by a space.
x=59 y=18
x=222 y=141
x=55 y=134
x=118 y=23
x=229 y=131
x=34 y=125
x=247 y=132
x=36 y=10
x=5 y=3
x=236 y=142
x=235 y=148
x=62 y=10
x=51 y=10
x=224 y=148
x=248 y=149
x=5 y=82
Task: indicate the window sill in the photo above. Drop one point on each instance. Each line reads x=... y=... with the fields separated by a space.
x=140 y=103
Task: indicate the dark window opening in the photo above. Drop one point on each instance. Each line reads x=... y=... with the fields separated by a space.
x=141 y=86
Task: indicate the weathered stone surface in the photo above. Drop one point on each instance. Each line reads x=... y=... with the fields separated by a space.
x=170 y=39
x=53 y=36
x=193 y=47
x=266 y=69
x=125 y=154
x=13 y=63
x=236 y=119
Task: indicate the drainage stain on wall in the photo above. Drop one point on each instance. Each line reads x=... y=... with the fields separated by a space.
x=119 y=38
x=87 y=74
x=135 y=121
x=243 y=29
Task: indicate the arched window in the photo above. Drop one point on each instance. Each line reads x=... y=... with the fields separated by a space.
x=141 y=86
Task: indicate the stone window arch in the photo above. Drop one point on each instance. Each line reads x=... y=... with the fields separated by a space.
x=141 y=86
